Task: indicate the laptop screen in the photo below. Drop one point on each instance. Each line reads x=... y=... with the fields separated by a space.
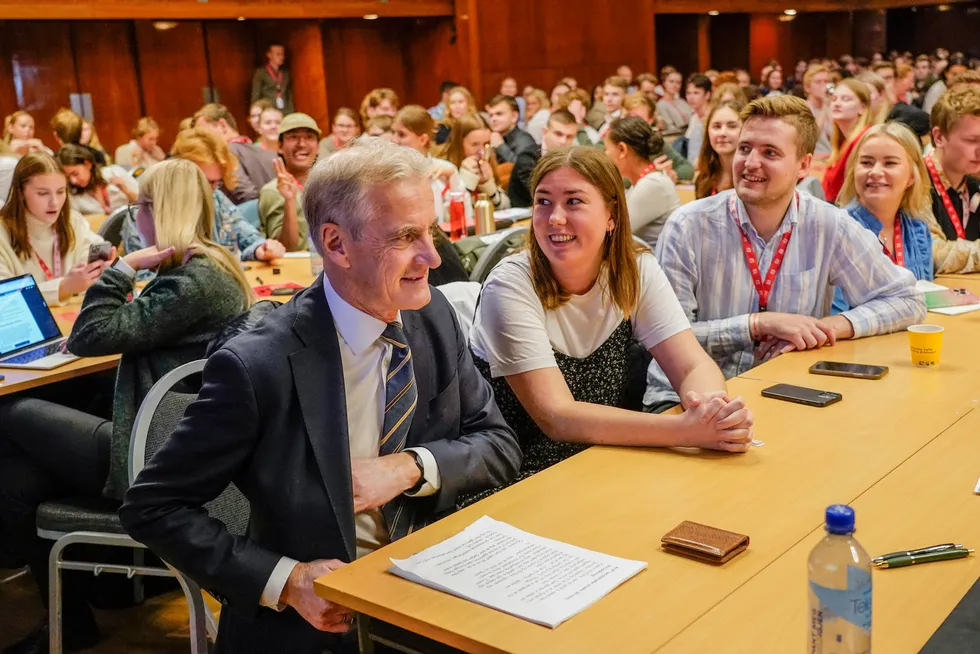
x=25 y=319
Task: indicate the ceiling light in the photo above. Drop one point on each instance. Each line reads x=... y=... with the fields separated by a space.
x=164 y=25
x=790 y=12
x=943 y=7
x=786 y=18
x=241 y=18
x=713 y=12
x=370 y=17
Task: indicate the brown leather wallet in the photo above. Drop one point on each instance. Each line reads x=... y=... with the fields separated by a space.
x=704 y=543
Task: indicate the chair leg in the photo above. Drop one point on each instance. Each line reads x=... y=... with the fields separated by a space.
x=139 y=559
x=196 y=613
x=364 y=643
x=55 y=617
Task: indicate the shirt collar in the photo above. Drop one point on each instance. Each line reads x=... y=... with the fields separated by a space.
x=790 y=219
x=358 y=329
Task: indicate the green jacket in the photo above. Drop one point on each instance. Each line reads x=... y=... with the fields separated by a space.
x=169 y=324
x=272 y=213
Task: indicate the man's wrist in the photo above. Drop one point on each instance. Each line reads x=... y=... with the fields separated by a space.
x=410 y=471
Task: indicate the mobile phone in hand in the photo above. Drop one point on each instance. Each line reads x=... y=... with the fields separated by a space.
x=99 y=252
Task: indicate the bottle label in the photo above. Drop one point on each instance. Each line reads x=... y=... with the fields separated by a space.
x=853 y=604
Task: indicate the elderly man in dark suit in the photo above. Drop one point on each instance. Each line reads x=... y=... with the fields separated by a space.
x=349 y=417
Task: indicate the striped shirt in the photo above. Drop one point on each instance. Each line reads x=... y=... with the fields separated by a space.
x=700 y=250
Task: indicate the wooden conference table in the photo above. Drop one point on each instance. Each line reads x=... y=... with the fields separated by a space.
x=902 y=451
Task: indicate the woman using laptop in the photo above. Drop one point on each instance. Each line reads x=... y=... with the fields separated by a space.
x=41 y=235
x=52 y=450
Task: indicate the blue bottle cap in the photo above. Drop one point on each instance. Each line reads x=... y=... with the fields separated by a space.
x=840 y=519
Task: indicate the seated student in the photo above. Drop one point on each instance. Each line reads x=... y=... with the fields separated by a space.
x=802 y=248
x=469 y=150
x=880 y=106
x=41 y=235
x=269 y=122
x=379 y=126
x=18 y=136
x=728 y=91
x=57 y=451
x=671 y=107
x=95 y=189
x=90 y=139
x=557 y=93
x=281 y=200
x=438 y=112
x=507 y=139
x=344 y=129
x=537 y=114
x=255 y=166
x=597 y=110
x=142 y=151
x=718 y=151
x=556 y=323
x=206 y=149
x=576 y=102
x=69 y=128
x=698 y=96
x=850 y=110
x=558 y=133
x=953 y=169
x=633 y=146
x=816 y=82
x=671 y=163
x=255 y=115
x=378 y=102
x=460 y=102
x=887 y=191
x=614 y=91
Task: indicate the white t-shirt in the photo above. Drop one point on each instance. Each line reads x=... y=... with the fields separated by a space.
x=650 y=202
x=514 y=334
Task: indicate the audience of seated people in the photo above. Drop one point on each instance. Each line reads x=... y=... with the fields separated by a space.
x=560 y=327
x=55 y=451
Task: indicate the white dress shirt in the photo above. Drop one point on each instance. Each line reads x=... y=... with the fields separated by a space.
x=365 y=359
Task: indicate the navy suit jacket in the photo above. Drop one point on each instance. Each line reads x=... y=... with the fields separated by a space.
x=271 y=417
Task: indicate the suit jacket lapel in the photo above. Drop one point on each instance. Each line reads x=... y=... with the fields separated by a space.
x=424 y=365
x=318 y=377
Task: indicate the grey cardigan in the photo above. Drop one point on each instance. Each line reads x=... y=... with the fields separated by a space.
x=169 y=324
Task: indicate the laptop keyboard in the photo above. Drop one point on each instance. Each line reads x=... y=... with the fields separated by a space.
x=35 y=354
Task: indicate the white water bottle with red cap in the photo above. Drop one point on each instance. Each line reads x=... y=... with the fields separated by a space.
x=840 y=589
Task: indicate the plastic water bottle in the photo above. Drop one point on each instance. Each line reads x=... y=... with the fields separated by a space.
x=840 y=589
x=316 y=261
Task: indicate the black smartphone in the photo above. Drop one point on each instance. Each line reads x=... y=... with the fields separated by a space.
x=284 y=291
x=802 y=395
x=99 y=252
x=856 y=370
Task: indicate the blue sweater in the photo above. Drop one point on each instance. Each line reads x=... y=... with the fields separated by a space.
x=916 y=240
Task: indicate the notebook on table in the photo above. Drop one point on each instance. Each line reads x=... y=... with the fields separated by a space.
x=29 y=335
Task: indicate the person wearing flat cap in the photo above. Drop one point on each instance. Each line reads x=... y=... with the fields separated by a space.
x=281 y=200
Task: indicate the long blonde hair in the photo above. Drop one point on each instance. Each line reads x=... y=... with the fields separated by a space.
x=8 y=124
x=452 y=150
x=203 y=147
x=13 y=215
x=917 y=200
x=183 y=217
x=839 y=139
x=619 y=251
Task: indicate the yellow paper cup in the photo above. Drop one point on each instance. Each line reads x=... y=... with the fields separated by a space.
x=926 y=343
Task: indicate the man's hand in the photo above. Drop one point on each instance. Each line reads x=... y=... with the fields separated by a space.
x=377 y=481
x=803 y=332
x=299 y=594
x=285 y=182
x=271 y=249
x=496 y=140
x=839 y=325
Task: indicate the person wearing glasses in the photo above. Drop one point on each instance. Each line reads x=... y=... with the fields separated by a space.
x=211 y=154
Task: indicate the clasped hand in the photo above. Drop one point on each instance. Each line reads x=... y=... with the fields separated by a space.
x=715 y=421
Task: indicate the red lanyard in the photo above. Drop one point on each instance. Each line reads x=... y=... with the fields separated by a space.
x=241 y=139
x=944 y=196
x=646 y=171
x=763 y=288
x=55 y=263
x=277 y=78
x=897 y=254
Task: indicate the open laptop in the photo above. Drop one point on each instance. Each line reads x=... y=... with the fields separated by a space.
x=29 y=336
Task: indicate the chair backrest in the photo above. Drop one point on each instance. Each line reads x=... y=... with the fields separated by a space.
x=241 y=324
x=250 y=212
x=501 y=244
x=111 y=229
x=158 y=416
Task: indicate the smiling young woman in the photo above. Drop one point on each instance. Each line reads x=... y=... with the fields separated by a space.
x=718 y=150
x=557 y=328
x=851 y=112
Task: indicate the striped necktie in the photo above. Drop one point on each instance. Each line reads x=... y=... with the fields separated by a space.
x=401 y=397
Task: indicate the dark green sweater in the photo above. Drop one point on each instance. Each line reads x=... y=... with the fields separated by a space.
x=169 y=324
